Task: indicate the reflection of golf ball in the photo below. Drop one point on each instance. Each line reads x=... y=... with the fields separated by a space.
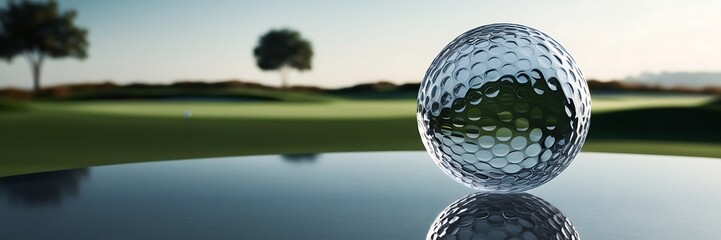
x=503 y=108
x=501 y=216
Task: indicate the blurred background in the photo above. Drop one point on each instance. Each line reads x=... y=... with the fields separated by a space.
x=86 y=83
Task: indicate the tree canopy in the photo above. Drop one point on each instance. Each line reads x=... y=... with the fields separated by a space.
x=280 y=49
x=37 y=30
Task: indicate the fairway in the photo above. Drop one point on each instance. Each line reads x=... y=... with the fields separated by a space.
x=257 y=110
x=59 y=135
x=607 y=103
x=332 y=109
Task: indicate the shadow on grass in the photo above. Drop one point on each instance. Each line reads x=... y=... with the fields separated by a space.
x=699 y=124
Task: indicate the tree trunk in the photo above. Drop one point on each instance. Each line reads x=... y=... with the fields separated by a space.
x=35 y=59
x=36 y=78
x=284 y=77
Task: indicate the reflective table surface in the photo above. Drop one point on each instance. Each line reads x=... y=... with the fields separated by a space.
x=373 y=195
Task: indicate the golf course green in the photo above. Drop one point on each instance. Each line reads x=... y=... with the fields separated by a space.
x=52 y=135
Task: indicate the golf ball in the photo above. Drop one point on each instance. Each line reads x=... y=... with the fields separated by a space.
x=503 y=107
x=501 y=216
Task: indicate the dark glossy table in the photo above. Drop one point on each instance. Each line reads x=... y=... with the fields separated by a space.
x=374 y=195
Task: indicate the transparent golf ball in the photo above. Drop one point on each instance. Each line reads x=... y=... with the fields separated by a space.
x=501 y=216
x=503 y=107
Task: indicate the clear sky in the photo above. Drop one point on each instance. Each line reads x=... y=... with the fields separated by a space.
x=366 y=41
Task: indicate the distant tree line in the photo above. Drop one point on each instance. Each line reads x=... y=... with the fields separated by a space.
x=65 y=90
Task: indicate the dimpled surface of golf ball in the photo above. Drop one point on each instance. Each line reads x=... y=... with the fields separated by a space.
x=501 y=216
x=503 y=108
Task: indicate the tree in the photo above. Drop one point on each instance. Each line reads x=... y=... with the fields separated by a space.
x=38 y=30
x=283 y=49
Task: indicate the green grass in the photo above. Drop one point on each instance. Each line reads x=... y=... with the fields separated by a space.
x=376 y=109
x=9 y=105
x=59 y=135
x=45 y=140
x=608 y=103
x=328 y=108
